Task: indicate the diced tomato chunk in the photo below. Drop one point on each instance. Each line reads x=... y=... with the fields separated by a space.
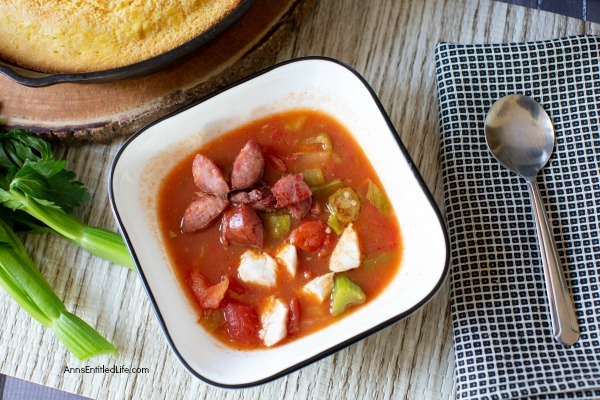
x=209 y=297
x=294 y=319
x=242 y=323
x=197 y=283
x=214 y=294
x=327 y=248
x=310 y=236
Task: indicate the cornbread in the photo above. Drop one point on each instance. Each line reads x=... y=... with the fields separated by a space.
x=74 y=36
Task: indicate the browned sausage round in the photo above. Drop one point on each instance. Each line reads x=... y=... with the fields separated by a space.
x=291 y=189
x=248 y=166
x=202 y=212
x=300 y=209
x=260 y=199
x=241 y=225
x=208 y=177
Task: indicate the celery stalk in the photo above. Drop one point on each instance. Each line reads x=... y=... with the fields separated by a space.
x=34 y=182
x=15 y=291
x=378 y=198
x=321 y=139
x=97 y=241
x=81 y=339
x=313 y=176
x=377 y=260
x=26 y=285
x=327 y=189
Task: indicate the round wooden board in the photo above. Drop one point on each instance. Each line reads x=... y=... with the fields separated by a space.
x=100 y=112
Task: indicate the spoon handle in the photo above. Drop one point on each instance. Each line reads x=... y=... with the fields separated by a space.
x=562 y=312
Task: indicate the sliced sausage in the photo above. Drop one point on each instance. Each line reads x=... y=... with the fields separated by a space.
x=276 y=163
x=202 y=212
x=208 y=177
x=248 y=166
x=241 y=225
x=294 y=320
x=240 y=198
x=291 y=189
x=300 y=209
x=260 y=199
x=315 y=208
x=279 y=160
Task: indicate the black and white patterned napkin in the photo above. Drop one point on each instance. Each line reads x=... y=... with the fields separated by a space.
x=503 y=340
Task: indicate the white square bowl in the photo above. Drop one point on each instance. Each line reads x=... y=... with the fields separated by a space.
x=313 y=82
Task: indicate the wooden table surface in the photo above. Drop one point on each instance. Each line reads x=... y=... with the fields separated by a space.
x=391 y=42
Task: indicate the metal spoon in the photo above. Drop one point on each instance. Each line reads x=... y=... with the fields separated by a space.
x=521 y=137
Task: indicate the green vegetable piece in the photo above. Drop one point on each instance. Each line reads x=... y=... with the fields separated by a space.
x=32 y=181
x=313 y=177
x=20 y=145
x=278 y=225
x=213 y=319
x=22 y=222
x=326 y=189
x=295 y=123
x=345 y=204
x=379 y=259
x=27 y=286
x=378 y=198
x=334 y=224
x=322 y=139
x=345 y=293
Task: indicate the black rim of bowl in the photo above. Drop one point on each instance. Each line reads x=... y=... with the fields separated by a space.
x=32 y=78
x=343 y=344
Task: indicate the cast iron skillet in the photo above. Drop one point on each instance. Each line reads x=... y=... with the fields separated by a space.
x=154 y=64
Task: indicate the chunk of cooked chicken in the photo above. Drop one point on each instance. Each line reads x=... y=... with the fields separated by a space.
x=288 y=256
x=320 y=287
x=274 y=320
x=258 y=268
x=346 y=254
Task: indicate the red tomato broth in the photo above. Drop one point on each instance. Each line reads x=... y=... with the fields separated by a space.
x=203 y=250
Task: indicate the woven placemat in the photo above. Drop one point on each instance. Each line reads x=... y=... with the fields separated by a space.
x=503 y=340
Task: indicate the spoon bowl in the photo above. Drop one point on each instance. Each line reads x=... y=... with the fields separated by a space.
x=520 y=135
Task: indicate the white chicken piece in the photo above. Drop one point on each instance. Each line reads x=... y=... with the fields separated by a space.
x=258 y=268
x=274 y=320
x=320 y=287
x=288 y=256
x=346 y=254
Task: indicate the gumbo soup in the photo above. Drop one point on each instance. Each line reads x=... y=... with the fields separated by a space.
x=278 y=229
